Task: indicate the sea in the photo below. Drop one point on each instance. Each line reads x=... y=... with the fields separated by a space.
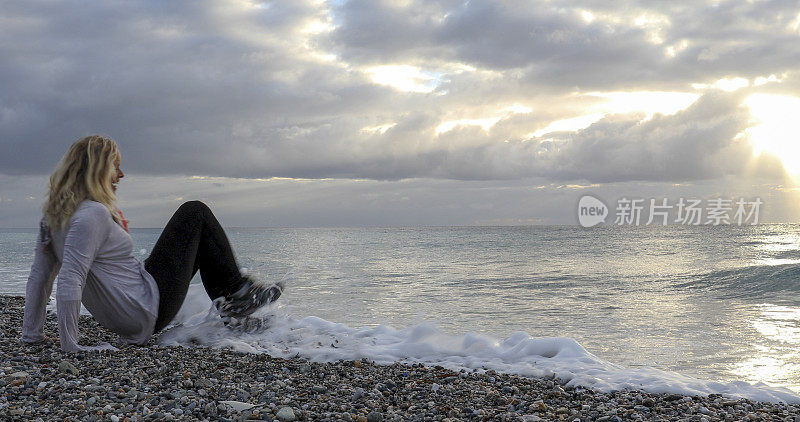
x=681 y=309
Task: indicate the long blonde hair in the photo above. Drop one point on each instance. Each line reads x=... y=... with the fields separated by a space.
x=85 y=172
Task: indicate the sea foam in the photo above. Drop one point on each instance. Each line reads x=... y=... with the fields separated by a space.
x=320 y=340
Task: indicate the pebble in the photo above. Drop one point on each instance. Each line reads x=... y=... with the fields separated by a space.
x=286 y=414
x=67 y=368
x=237 y=406
x=154 y=383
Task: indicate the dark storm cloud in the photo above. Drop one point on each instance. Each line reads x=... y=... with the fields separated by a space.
x=231 y=89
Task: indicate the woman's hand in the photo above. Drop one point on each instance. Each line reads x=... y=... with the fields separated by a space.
x=102 y=347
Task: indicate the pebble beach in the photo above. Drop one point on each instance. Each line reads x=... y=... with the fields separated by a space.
x=152 y=382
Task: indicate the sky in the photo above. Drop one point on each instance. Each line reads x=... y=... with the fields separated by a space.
x=403 y=112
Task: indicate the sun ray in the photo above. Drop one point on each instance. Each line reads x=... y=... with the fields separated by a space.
x=777 y=129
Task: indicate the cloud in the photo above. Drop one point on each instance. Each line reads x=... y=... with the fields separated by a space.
x=150 y=201
x=627 y=45
x=701 y=142
x=285 y=89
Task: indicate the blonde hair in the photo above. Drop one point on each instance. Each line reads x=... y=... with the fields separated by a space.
x=85 y=172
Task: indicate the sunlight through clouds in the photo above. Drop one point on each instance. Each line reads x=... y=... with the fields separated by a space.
x=408 y=89
x=648 y=103
x=378 y=129
x=654 y=24
x=404 y=78
x=732 y=84
x=568 y=125
x=643 y=101
x=762 y=80
x=673 y=50
x=735 y=83
x=778 y=127
x=485 y=123
x=795 y=25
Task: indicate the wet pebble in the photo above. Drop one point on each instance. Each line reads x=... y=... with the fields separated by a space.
x=154 y=383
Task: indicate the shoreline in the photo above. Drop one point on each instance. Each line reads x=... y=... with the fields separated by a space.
x=166 y=382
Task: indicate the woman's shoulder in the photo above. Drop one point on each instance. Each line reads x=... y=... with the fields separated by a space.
x=91 y=209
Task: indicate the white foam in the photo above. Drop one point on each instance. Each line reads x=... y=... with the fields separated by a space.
x=324 y=341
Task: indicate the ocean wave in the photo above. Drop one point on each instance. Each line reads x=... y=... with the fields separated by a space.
x=320 y=340
x=752 y=281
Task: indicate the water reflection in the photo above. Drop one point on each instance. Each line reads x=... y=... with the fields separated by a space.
x=776 y=357
x=777 y=249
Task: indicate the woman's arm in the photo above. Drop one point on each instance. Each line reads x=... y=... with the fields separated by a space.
x=86 y=233
x=40 y=285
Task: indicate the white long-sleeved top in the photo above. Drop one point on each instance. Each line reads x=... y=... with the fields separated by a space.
x=93 y=258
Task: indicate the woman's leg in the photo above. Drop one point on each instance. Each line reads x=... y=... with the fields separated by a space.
x=192 y=240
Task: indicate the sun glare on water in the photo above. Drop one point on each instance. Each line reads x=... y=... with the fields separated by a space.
x=777 y=129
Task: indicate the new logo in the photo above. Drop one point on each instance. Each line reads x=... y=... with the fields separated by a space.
x=591 y=211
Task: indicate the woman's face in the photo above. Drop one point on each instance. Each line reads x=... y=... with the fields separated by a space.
x=118 y=174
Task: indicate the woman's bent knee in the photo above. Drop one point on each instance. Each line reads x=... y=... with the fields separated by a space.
x=193 y=206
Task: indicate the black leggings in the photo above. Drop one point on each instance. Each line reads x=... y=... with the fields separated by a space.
x=192 y=239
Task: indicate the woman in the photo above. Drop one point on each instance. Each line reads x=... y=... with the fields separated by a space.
x=84 y=240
